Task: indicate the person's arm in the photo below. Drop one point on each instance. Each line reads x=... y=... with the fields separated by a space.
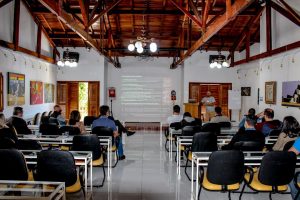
x=278 y=143
x=114 y=128
x=296 y=147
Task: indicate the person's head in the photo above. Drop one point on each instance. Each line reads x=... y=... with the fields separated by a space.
x=75 y=116
x=251 y=112
x=268 y=114
x=218 y=110
x=187 y=114
x=57 y=108
x=176 y=109
x=290 y=126
x=249 y=122
x=2 y=120
x=208 y=93
x=104 y=110
x=18 y=111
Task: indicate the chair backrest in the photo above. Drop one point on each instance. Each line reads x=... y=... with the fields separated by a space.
x=225 y=125
x=277 y=168
x=7 y=143
x=204 y=141
x=53 y=120
x=44 y=114
x=44 y=120
x=176 y=125
x=275 y=132
x=87 y=143
x=288 y=145
x=57 y=166
x=226 y=167
x=71 y=129
x=13 y=165
x=50 y=113
x=35 y=120
x=88 y=120
x=188 y=131
x=29 y=145
x=249 y=146
x=49 y=129
x=212 y=127
x=103 y=131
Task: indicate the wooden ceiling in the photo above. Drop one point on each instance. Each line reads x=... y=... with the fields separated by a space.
x=175 y=24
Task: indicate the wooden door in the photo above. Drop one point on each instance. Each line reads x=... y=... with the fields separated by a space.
x=62 y=97
x=93 y=98
x=73 y=90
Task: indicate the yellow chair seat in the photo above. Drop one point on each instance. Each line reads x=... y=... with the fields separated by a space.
x=258 y=186
x=75 y=187
x=99 y=161
x=65 y=148
x=170 y=138
x=190 y=157
x=114 y=148
x=182 y=148
x=298 y=185
x=214 y=187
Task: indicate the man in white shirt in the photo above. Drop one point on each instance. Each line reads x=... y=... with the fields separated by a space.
x=209 y=103
x=176 y=117
x=219 y=117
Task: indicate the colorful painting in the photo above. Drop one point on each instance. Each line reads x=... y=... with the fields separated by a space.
x=49 y=93
x=291 y=93
x=16 y=89
x=36 y=92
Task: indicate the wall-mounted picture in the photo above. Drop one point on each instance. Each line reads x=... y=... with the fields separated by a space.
x=49 y=90
x=270 y=92
x=291 y=93
x=16 y=89
x=36 y=92
x=246 y=91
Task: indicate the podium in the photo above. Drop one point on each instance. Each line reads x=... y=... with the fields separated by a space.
x=193 y=108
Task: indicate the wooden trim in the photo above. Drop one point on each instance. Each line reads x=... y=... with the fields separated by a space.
x=268 y=26
x=4 y=2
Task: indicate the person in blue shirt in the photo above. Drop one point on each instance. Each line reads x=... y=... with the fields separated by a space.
x=105 y=121
x=296 y=149
x=251 y=114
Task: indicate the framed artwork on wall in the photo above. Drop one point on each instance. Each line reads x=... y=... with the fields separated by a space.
x=246 y=91
x=291 y=93
x=49 y=90
x=36 y=92
x=1 y=93
x=270 y=92
x=16 y=89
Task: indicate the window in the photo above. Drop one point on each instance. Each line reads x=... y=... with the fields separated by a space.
x=1 y=92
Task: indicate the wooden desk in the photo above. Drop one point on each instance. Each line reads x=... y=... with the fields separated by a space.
x=193 y=108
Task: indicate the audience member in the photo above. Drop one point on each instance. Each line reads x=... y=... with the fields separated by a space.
x=57 y=115
x=247 y=134
x=268 y=123
x=187 y=119
x=18 y=122
x=290 y=132
x=251 y=114
x=121 y=128
x=296 y=149
x=219 y=117
x=176 y=116
x=104 y=121
x=74 y=120
x=6 y=133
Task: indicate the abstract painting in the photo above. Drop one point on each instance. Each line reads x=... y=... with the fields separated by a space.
x=49 y=93
x=16 y=89
x=291 y=93
x=36 y=92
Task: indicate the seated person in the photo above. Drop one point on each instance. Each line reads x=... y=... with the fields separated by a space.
x=268 y=123
x=296 y=149
x=7 y=133
x=290 y=132
x=176 y=118
x=75 y=121
x=247 y=134
x=104 y=121
x=57 y=115
x=187 y=119
x=251 y=114
x=219 y=117
x=18 y=122
x=121 y=128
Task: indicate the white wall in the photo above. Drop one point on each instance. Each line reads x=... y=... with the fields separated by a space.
x=90 y=68
x=143 y=79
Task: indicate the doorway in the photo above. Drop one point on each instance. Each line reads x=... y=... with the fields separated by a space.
x=78 y=95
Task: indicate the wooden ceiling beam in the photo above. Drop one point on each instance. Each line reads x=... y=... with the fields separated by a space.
x=92 y=21
x=195 y=10
x=220 y=22
x=285 y=13
x=4 y=2
x=84 y=7
x=57 y=9
x=205 y=14
x=198 y=23
x=290 y=10
x=16 y=32
x=95 y=9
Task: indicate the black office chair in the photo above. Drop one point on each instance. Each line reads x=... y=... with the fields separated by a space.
x=105 y=131
x=276 y=171
x=90 y=143
x=70 y=129
x=45 y=120
x=53 y=120
x=50 y=113
x=225 y=172
x=202 y=142
x=249 y=146
x=275 y=132
x=13 y=166
x=288 y=145
x=59 y=166
x=225 y=125
x=212 y=127
x=44 y=114
x=174 y=126
x=88 y=120
x=188 y=131
x=29 y=145
x=49 y=129
x=36 y=118
x=8 y=138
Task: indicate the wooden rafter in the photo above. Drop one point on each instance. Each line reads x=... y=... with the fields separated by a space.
x=46 y=22
x=4 y=2
x=16 y=24
x=268 y=26
x=285 y=13
x=220 y=22
x=194 y=9
x=92 y=21
x=96 y=7
x=84 y=7
x=205 y=13
x=198 y=23
x=290 y=10
x=39 y=40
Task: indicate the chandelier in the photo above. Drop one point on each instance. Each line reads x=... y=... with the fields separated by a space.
x=141 y=42
x=218 y=61
x=68 y=59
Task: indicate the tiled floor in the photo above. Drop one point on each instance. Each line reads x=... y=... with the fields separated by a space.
x=147 y=174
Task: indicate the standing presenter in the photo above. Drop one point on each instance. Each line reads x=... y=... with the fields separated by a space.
x=209 y=102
